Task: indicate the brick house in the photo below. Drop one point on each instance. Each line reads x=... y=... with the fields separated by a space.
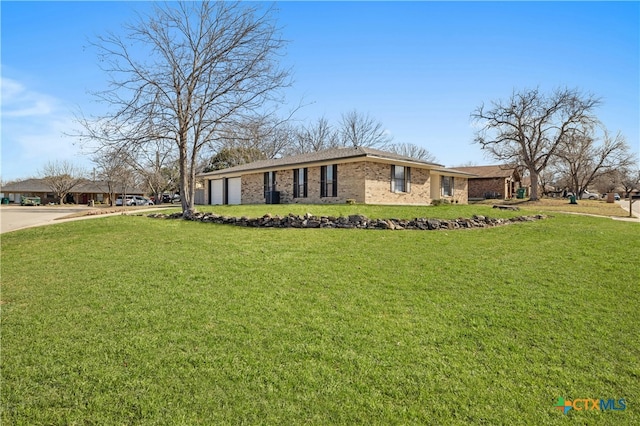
x=80 y=194
x=336 y=175
x=498 y=181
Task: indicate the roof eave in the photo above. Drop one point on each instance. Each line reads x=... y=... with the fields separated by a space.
x=230 y=172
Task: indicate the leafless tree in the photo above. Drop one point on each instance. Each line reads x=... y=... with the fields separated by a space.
x=183 y=74
x=584 y=157
x=317 y=136
x=413 y=151
x=550 y=180
x=630 y=181
x=529 y=127
x=257 y=138
x=358 y=129
x=62 y=177
x=155 y=163
x=114 y=171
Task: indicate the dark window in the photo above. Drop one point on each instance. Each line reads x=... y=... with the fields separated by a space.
x=300 y=183
x=400 y=179
x=447 y=186
x=269 y=182
x=329 y=181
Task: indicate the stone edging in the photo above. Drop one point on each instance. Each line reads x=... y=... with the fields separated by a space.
x=350 y=222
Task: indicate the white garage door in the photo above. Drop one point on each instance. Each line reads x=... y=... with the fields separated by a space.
x=234 y=191
x=217 y=191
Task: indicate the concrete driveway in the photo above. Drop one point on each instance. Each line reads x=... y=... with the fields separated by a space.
x=18 y=217
x=636 y=207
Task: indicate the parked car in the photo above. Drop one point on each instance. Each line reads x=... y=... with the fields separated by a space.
x=127 y=202
x=616 y=196
x=30 y=201
x=134 y=200
x=586 y=195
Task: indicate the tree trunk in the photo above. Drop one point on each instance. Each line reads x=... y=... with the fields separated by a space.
x=186 y=198
x=533 y=173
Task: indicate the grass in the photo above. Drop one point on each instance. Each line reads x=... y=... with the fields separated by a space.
x=593 y=207
x=451 y=211
x=123 y=320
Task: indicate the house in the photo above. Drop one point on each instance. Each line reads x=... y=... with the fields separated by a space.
x=364 y=175
x=498 y=181
x=80 y=194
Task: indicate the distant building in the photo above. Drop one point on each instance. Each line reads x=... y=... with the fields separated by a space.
x=498 y=181
x=81 y=194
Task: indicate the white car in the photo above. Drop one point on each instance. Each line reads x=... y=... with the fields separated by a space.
x=586 y=195
x=134 y=200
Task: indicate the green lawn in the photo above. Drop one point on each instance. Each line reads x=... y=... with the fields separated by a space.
x=131 y=320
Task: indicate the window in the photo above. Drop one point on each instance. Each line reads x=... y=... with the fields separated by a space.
x=447 y=186
x=329 y=181
x=269 y=182
x=400 y=179
x=300 y=183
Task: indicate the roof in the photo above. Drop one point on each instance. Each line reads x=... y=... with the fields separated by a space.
x=333 y=154
x=27 y=185
x=495 y=171
x=39 y=185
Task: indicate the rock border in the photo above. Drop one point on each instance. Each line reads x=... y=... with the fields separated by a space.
x=356 y=221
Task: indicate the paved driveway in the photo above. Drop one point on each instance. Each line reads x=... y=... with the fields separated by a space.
x=18 y=217
x=625 y=205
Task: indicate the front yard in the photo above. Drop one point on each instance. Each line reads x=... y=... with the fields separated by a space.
x=135 y=320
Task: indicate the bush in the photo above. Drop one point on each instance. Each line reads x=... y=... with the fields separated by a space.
x=440 y=202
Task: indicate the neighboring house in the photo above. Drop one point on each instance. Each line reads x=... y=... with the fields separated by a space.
x=80 y=194
x=364 y=175
x=499 y=181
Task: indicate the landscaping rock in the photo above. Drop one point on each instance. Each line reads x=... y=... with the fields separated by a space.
x=353 y=221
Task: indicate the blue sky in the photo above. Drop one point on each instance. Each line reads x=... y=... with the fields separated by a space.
x=420 y=68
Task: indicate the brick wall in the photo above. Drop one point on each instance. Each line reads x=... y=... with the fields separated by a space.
x=363 y=181
x=480 y=186
x=461 y=190
x=252 y=189
x=350 y=186
x=378 y=186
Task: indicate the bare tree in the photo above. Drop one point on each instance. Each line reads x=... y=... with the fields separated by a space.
x=317 y=136
x=185 y=73
x=413 y=151
x=254 y=139
x=356 y=129
x=583 y=159
x=62 y=177
x=529 y=127
x=114 y=171
x=550 y=178
x=630 y=181
x=154 y=163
